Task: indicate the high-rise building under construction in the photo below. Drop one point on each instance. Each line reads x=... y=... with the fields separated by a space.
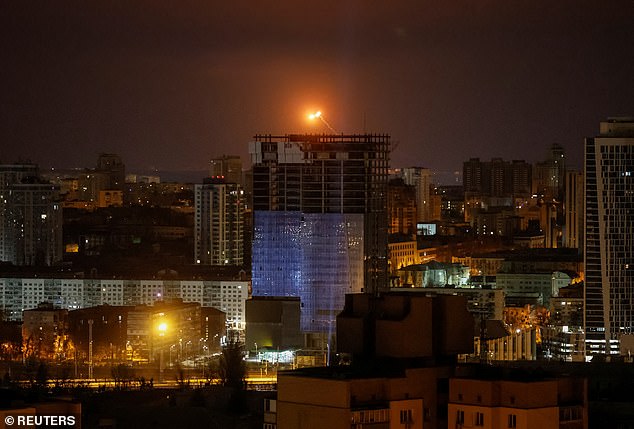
x=320 y=220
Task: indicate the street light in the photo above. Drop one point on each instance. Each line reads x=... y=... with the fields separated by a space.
x=162 y=328
x=320 y=116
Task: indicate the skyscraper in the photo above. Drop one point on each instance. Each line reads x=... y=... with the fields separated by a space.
x=495 y=183
x=30 y=217
x=421 y=178
x=573 y=210
x=548 y=176
x=320 y=220
x=10 y=174
x=219 y=223
x=609 y=243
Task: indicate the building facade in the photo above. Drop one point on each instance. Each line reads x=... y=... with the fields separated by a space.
x=18 y=294
x=609 y=236
x=228 y=166
x=45 y=333
x=219 y=223
x=319 y=220
x=495 y=183
x=573 y=210
x=30 y=218
x=427 y=202
x=401 y=205
x=518 y=404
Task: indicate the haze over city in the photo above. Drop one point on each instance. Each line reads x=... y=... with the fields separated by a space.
x=169 y=85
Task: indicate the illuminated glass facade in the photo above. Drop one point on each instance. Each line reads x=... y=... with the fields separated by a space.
x=316 y=257
x=320 y=220
x=609 y=244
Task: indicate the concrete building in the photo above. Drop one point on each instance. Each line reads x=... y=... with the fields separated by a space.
x=609 y=226
x=168 y=332
x=403 y=252
x=496 y=183
x=18 y=294
x=428 y=204
x=513 y=345
x=389 y=397
x=563 y=338
x=30 y=217
x=319 y=220
x=229 y=167
x=401 y=206
x=573 y=232
x=213 y=329
x=45 y=332
x=110 y=198
x=549 y=175
x=273 y=323
x=427 y=326
x=520 y=287
x=10 y=174
x=393 y=381
x=518 y=403
x=219 y=223
x=113 y=167
x=481 y=302
x=109 y=332
x=433 y=274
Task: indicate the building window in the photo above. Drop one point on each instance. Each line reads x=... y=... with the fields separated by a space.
x=406 y=416
x=460 y=417
x=512 y=423
x=479 y=419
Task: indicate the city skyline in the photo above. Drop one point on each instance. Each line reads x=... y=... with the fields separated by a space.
x=171 y=87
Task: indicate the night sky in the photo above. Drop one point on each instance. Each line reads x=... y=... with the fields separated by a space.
x=170 y=84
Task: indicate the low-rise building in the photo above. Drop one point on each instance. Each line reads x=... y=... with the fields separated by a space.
x=531 y=287
x=402 y=253
x=167 y=329
x=18 y=294
x=433 y=274
x=109 y=332
x=45 y=332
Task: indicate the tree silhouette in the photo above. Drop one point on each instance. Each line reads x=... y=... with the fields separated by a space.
x=232 y=369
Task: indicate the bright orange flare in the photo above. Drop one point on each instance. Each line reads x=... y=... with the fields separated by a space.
x=315 y=115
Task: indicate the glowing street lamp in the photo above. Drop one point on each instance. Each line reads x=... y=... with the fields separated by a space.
x=162 y=328
x=320 y=116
